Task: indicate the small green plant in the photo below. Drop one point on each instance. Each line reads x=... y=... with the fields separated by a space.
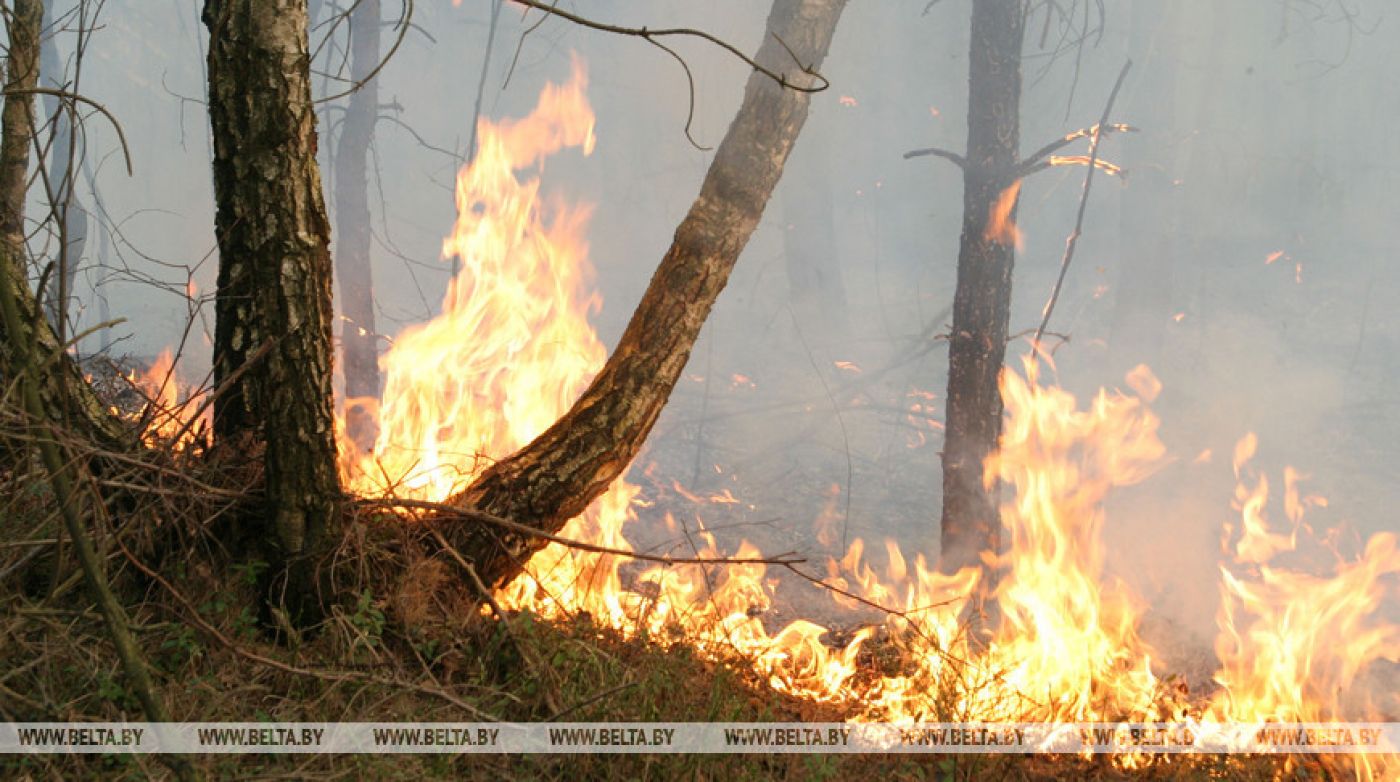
x=249 y=572
x=116 y=693
x=821 y=767
x=367 y=621
x=180 y=648
x=245 y=625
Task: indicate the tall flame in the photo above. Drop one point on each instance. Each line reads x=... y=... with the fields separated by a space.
x=169 y=419
x=1071 y=639
x=512 y=347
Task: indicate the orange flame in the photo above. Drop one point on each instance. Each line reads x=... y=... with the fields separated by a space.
x=169 y=420
x=1001 y=227
x=512 y=348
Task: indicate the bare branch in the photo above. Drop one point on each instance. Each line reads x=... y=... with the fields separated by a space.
x=1033 y=161
x=64 y=94
x=402 y=25
x=468 y=514
x=958 y=160
x=650 y=37
x=1073 y=239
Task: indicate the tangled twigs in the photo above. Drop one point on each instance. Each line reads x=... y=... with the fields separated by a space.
x=651 y=35
x=60 y=473
x=193 y=616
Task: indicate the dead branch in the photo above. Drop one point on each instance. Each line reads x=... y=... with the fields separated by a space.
x=402 y=26
x=76 y=98
x=453 y=513
x=1073 y=240
x=957 y=160
x=650 y=35
x=1039 y=156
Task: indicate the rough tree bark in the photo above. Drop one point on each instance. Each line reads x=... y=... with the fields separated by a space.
x=971 y=520
x=62 y=388
x=274 y=270
x=21 y=77
x=556 y=476
x=352 y=222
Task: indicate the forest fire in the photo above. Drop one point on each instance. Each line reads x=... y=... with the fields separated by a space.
x=513 y=348
x=168 y=419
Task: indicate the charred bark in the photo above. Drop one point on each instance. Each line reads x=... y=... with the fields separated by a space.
x=556 y=476
x=274 y=269
x=61 y=386
x=358 y=337
x=971 y=520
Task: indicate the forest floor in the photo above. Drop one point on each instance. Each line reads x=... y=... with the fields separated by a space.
x=404 y=640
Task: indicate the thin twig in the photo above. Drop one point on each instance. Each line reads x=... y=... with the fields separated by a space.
x=958 y=160
x=613 y=691
x=650 y=35
x=1039 y=155
x=402 y=26
x=121 y=137
x=471 y=514
x=1073 y=239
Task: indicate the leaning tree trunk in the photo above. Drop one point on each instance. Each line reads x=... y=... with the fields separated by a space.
x=62 y=389
x=982 y=303
x=272 y=334
x=352 y=221
x=556 y=476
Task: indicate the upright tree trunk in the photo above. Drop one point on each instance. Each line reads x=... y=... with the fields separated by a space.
x=62 y=388
x=274 y=269
x=556 y=476
x=352 y=250
x=21 y=77
x=982 y=303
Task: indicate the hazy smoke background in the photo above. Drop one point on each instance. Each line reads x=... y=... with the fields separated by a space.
x=1267 y=127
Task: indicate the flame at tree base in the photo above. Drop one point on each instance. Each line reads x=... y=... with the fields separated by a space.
x=513 y=349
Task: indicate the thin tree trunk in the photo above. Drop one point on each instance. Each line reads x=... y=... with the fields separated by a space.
x=358 y=337
x=554 y=478
x=62 y=387
x=21 y=77
x=274 y=270
x=971 y=521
